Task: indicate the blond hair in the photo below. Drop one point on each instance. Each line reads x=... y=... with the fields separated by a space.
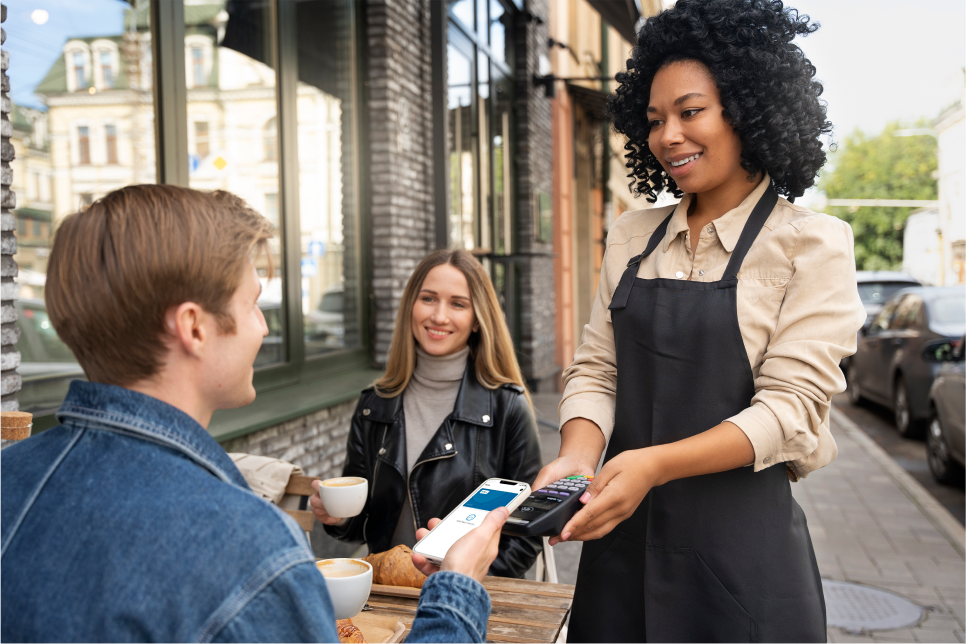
x=491 y=347
x=119 y=265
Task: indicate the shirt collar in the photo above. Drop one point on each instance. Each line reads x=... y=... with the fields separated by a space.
x=728 y=227
x=112 y=408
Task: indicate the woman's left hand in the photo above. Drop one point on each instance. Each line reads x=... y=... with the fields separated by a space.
x=613 y=496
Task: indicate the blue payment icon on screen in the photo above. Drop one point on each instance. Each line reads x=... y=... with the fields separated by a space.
x=489 y=500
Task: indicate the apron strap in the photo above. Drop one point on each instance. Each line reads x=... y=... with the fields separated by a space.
x=621 y=294
x=750 y=231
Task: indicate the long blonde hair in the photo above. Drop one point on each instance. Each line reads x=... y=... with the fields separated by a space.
x=491 y=348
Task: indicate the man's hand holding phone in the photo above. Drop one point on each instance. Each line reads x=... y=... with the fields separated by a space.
x=472 y=553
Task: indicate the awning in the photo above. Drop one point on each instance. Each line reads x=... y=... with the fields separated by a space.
x=620 y=14
x=594 y=102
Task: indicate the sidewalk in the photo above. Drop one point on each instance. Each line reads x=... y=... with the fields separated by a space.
x=871 y=524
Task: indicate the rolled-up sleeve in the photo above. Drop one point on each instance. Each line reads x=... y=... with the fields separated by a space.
x=788 y=419
x=590 y=380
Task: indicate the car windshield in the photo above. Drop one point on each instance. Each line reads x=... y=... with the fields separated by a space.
x=948 y=310
x=880 y=292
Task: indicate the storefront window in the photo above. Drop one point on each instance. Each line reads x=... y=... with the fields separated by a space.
x=479 y=119
x=460 y=144
x=84 y=125
x=327 y=177
x=236 y=141
x=77 y=140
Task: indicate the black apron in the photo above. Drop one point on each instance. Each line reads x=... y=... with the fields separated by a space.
x=715 y=558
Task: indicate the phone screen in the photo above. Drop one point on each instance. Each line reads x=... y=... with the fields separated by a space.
x=470 y=514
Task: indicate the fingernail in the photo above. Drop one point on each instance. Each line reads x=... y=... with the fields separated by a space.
x=553 y=541
x=585 y=497
x=565 y=536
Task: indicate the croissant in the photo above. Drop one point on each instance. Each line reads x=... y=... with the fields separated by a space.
x=348 y=633
x=395 y=568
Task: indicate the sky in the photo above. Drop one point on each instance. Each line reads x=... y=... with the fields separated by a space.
x=34 y=48
x=885 y=60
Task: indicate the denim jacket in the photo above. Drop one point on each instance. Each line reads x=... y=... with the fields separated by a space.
x=128 y=522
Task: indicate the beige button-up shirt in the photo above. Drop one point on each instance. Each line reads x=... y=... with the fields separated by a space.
x=798 y=310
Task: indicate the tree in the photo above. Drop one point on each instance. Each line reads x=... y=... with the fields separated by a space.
x=880 y=167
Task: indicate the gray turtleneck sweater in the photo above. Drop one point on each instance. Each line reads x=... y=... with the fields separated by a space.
x=427 y=401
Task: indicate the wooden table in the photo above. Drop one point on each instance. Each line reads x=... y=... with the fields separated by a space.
x=521 y=610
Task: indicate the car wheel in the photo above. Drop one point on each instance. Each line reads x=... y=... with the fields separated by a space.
x=902 y=418
x=852 y=385
x=943 y=468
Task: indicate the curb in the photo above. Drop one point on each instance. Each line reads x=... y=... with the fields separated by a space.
x=939 y=516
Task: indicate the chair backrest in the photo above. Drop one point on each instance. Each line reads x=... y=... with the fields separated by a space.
x=302 y=486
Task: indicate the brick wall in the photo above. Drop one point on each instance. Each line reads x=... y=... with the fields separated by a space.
x=316 y=443
x=400 y=152
x=534 y=174
x=10 y=380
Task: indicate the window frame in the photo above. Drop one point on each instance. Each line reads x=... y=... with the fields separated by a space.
x=335 y=376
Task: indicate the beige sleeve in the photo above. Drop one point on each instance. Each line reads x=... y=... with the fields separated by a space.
x=821 y=312
x=589 y=382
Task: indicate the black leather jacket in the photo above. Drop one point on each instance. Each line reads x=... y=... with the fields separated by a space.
x=491 y=433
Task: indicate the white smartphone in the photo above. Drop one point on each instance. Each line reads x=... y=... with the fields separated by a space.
x=492 y=494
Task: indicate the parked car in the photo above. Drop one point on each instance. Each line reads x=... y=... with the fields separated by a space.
x=876 y=287
x=46 y=364
x=945 y=434
x=891 y=366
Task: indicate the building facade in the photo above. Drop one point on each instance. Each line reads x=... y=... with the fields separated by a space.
x=951 y=127
x=590 y=179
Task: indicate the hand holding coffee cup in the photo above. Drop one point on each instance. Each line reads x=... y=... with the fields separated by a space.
x=349 y=582
x=338 y=498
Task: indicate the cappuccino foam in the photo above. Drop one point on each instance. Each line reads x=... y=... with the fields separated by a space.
x=345 y=481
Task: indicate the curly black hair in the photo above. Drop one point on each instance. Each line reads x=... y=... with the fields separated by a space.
x=766 y=83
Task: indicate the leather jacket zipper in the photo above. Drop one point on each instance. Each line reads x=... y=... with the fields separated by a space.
x=372 y=485
x=409 y=494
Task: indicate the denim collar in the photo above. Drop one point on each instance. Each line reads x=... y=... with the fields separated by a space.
x=111 y=408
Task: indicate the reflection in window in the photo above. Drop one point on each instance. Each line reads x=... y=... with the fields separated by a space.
x=231 y=128
x=107 y=71
x=462 y=10
x=498 y=31
x=198 y=66
x=65 y=130
x=460 y=148
x=327 y=198
x=83 y=145
x=201 y=139
x=80 y=80
x=111 y=144
x=270 y=140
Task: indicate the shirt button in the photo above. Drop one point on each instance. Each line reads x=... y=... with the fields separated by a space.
x=485 y=418
x=365 y=412
x=448 y=446
x=382 y=450
x=679 y=275
x=766 y=459
x=710 y=230
x=701 y=272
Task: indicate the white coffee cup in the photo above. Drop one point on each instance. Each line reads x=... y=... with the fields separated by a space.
x=344 y=496
x=349 y=582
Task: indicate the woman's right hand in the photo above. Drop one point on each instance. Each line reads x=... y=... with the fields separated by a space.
x=563 y=467
x=318 y=509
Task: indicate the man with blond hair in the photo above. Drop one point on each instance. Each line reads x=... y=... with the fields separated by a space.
x=128 y=522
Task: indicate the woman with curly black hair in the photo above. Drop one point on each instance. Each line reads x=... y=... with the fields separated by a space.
x=713 y=349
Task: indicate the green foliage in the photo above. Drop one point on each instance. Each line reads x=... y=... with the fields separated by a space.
x=880 y=167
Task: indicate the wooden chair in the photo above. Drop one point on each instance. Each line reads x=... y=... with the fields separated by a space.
x=301 y=486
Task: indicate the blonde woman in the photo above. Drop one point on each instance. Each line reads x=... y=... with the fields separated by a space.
x=450 y=412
